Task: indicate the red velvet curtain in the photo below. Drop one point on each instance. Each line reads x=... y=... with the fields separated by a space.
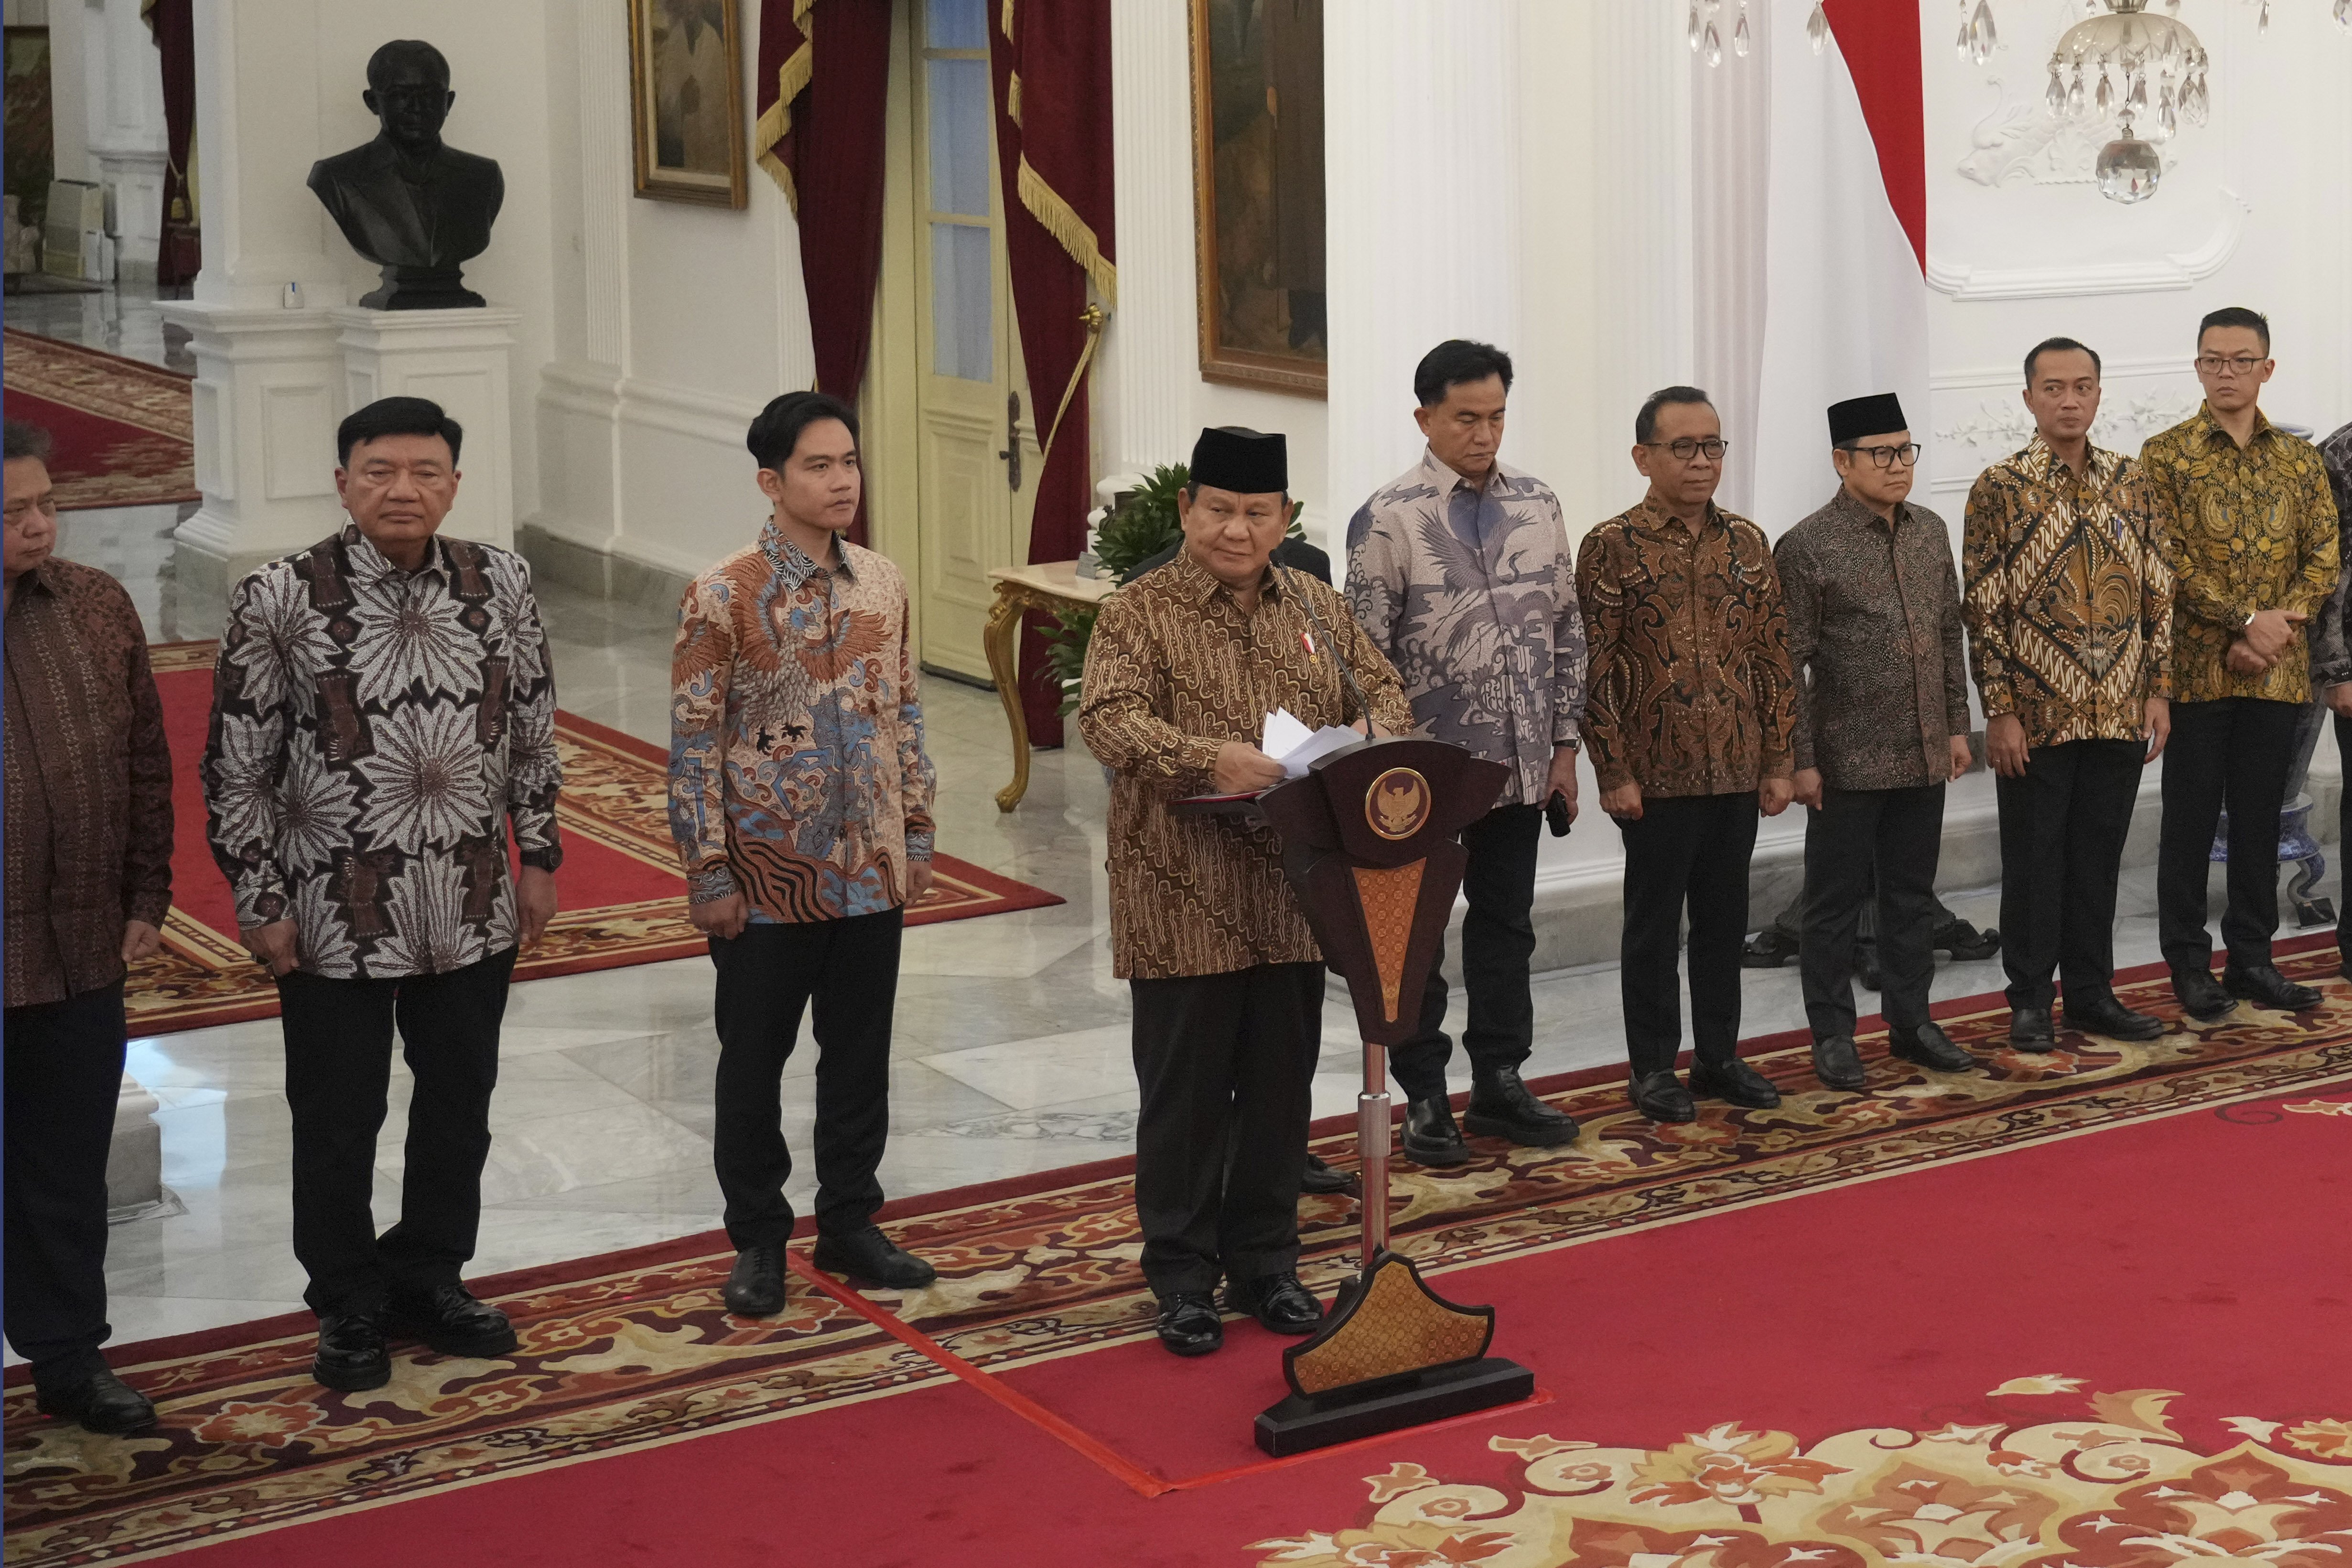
x=1050 y=63
x=174 y=24
x=824 y=75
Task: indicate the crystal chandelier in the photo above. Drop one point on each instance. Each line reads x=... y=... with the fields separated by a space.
x=1706 y=36
x=2146 y=72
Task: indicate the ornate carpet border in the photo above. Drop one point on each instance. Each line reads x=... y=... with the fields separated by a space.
x=649 y=1355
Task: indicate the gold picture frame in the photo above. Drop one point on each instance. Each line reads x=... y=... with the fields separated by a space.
x=1257 y=192
x=686 y=72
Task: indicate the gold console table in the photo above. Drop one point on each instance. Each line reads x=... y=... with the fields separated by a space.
x=1051 y=586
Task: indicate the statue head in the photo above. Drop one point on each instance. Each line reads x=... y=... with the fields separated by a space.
x=408 y=91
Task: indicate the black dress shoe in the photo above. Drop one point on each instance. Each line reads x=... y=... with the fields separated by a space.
x=1965 y=943
x=1837 y=1063
x=1734 y=1082
x=352 y=1356
x=2266 y=987
x=2029 y=1030
x=1768 y=949
x=1430 y=1138
x=755 y=1286
x=1661 y=1097
x=2107 y=1016
x=1320 y=1177
x=101 y=1402
x=1503 y=1106
x=2202 y=996
x=1189 y=1323
x=871 y=1257
x=1930 y=1047
x=449 y=1319
x=1277 y=1301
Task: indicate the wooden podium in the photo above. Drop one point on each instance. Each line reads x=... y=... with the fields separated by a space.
x=1369 y=844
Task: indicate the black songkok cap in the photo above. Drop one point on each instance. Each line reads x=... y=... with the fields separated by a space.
x=1246 y=461
x=1856 y=417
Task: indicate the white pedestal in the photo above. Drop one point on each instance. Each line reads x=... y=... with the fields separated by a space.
x=134 y=1160
x=460 y=360
x=268 y=394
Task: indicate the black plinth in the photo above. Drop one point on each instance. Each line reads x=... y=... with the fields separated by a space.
x=1317 y=1421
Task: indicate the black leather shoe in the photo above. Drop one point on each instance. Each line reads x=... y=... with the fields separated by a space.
x=1965 y=943
x=1189 y=1324
x=755 y=1286
x=2029 y=1030
x=2202 y=996
x=1837 y=1063
x=1430 y=1138
x=1734 y=1082
x=2266 y=987
x=101 y=1402
x=2107 y=1016
x=352 y=1356
x=870 y=1257
x=1503 y=1106
x=449 y=1319
x=1320 y=1177
x=1930 y=1047
x=1768 y=949
x=1277 y=1301
x=1661 y=1097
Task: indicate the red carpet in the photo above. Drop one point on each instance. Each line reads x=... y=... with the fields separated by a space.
x=622 y=896
x=124 y=430
x=2000 y=1321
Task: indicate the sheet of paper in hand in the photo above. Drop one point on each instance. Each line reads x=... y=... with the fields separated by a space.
x=1297 y=747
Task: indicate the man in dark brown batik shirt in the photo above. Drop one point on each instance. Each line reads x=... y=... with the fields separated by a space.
x=1882 y=725
x=89 y=793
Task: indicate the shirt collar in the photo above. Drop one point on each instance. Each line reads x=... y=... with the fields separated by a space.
x=1851 y=506
x=792 y=563
x=2213 y=431
x=1444 y=477
x=2098 y=464
x=1648 y=514
x=370 y=564
x=40 y=578
x=1201 y=585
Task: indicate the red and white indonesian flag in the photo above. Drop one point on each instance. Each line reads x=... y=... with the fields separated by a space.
x=1846 y=239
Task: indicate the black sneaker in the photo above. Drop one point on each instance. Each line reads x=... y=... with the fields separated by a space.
x=449 y=1319
x=870 y=1257
x=352 y=1356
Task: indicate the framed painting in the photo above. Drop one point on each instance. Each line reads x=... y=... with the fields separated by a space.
x=1257 y=192
x=686 y=99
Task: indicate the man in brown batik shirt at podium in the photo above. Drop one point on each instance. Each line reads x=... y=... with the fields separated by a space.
x=1184 y=666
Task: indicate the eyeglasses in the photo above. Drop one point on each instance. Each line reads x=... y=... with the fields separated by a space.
x=1902 y=456
x=2215 y=365
x=1686 y=448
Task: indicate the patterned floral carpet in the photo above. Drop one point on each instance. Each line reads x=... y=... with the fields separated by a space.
x=624 y=900
x=632 y=1355
x=124 y=430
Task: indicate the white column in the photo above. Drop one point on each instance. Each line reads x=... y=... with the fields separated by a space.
x=1421 y=158
x=1731 y=119
x=269 y=375
x=1150 y=351
x=124 y=75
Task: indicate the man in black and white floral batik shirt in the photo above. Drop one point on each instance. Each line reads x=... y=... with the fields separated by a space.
x=383 y=708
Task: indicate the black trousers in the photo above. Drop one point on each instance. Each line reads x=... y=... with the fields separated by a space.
x=1225 y=1064
x=2063 y=826
x=1898 y=834
x=1687 y=851
x=337 y=1068
x=1498 y=940
x=845 y=973
x=2235 y=753
x=2344 y=844
x=64 y=1072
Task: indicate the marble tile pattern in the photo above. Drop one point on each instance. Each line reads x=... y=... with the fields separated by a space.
x=1012 y=1036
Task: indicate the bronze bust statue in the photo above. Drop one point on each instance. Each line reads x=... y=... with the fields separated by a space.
x=407 y=202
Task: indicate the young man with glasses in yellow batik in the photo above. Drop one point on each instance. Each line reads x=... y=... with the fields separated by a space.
x=1687 y=717
x=1882 y=726
x=2251 y=542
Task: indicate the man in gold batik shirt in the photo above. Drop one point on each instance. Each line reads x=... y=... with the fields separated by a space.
x=1185 y=664
x=2254 y=552
x=2069 y=610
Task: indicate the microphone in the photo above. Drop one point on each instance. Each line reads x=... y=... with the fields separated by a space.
x=1346 y=675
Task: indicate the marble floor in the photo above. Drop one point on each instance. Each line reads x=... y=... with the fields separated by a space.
x=1011 y=1034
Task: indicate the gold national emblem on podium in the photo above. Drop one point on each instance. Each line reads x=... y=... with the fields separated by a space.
x=1398 y=803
